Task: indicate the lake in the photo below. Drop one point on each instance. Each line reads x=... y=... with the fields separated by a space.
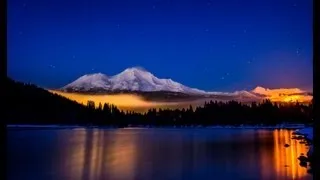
x=154 y=154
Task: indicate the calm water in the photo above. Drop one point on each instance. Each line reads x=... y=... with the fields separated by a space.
x=151 y=154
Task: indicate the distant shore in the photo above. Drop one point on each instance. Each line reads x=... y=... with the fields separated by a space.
x=54 y=126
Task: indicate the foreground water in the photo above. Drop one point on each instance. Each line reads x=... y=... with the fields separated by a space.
x=145 y=154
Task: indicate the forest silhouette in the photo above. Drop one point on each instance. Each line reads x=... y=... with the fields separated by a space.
x=29 y=104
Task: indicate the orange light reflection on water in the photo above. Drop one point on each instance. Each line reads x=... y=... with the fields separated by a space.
x=117 y=154
x=92 y=154
x=285 y=159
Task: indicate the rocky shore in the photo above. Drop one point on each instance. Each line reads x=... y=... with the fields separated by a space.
x=305 y=136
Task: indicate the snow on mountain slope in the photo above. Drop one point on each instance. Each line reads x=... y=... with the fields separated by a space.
x=131 y=79
x=246 y=94
x=139 y=79
x=90 y=81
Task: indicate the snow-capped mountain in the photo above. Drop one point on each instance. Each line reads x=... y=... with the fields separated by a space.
x=137 y=79
x=131 y=79
x=89 y=82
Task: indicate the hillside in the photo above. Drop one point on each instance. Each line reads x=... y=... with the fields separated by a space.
x=29 y=104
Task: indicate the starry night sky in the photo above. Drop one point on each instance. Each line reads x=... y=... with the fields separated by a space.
x=222 y=45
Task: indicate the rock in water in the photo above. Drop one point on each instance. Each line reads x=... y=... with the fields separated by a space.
x=303 y=158
x=286 y=145
x=303 y=164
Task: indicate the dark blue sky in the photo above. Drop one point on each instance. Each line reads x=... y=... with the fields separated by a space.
x=212 y=45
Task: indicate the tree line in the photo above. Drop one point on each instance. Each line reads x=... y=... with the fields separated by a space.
x=29 y=104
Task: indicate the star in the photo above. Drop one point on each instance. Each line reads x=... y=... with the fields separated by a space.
x=118 y=25
x=222 y=78
x=20 y=32
x=153 y=7
x=52 y=66
x=207 y=30
x=24 y=4
x=244 y=31
x=73 y=57
x=295 y=5
x=298 y=51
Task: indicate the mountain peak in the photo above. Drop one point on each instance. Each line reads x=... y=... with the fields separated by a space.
x=92 y=75
x=136 y=68
x=133 y=79
x=133 y=73
x=259 y=90
x=89 y=81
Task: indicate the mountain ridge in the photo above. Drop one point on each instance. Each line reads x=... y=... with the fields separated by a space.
x=138 y=80
x=132 y=79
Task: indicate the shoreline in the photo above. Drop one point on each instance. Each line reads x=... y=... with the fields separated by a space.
x=55 y=126
x=307 y=136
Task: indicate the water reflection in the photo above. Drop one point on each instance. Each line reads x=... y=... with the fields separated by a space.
x=287 y=157
x=98 y=153
x=157 y=154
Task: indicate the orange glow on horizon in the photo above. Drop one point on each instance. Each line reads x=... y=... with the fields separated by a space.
x=119 y=100
x=284 y=94
x=136 y=103
x=296 y=98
